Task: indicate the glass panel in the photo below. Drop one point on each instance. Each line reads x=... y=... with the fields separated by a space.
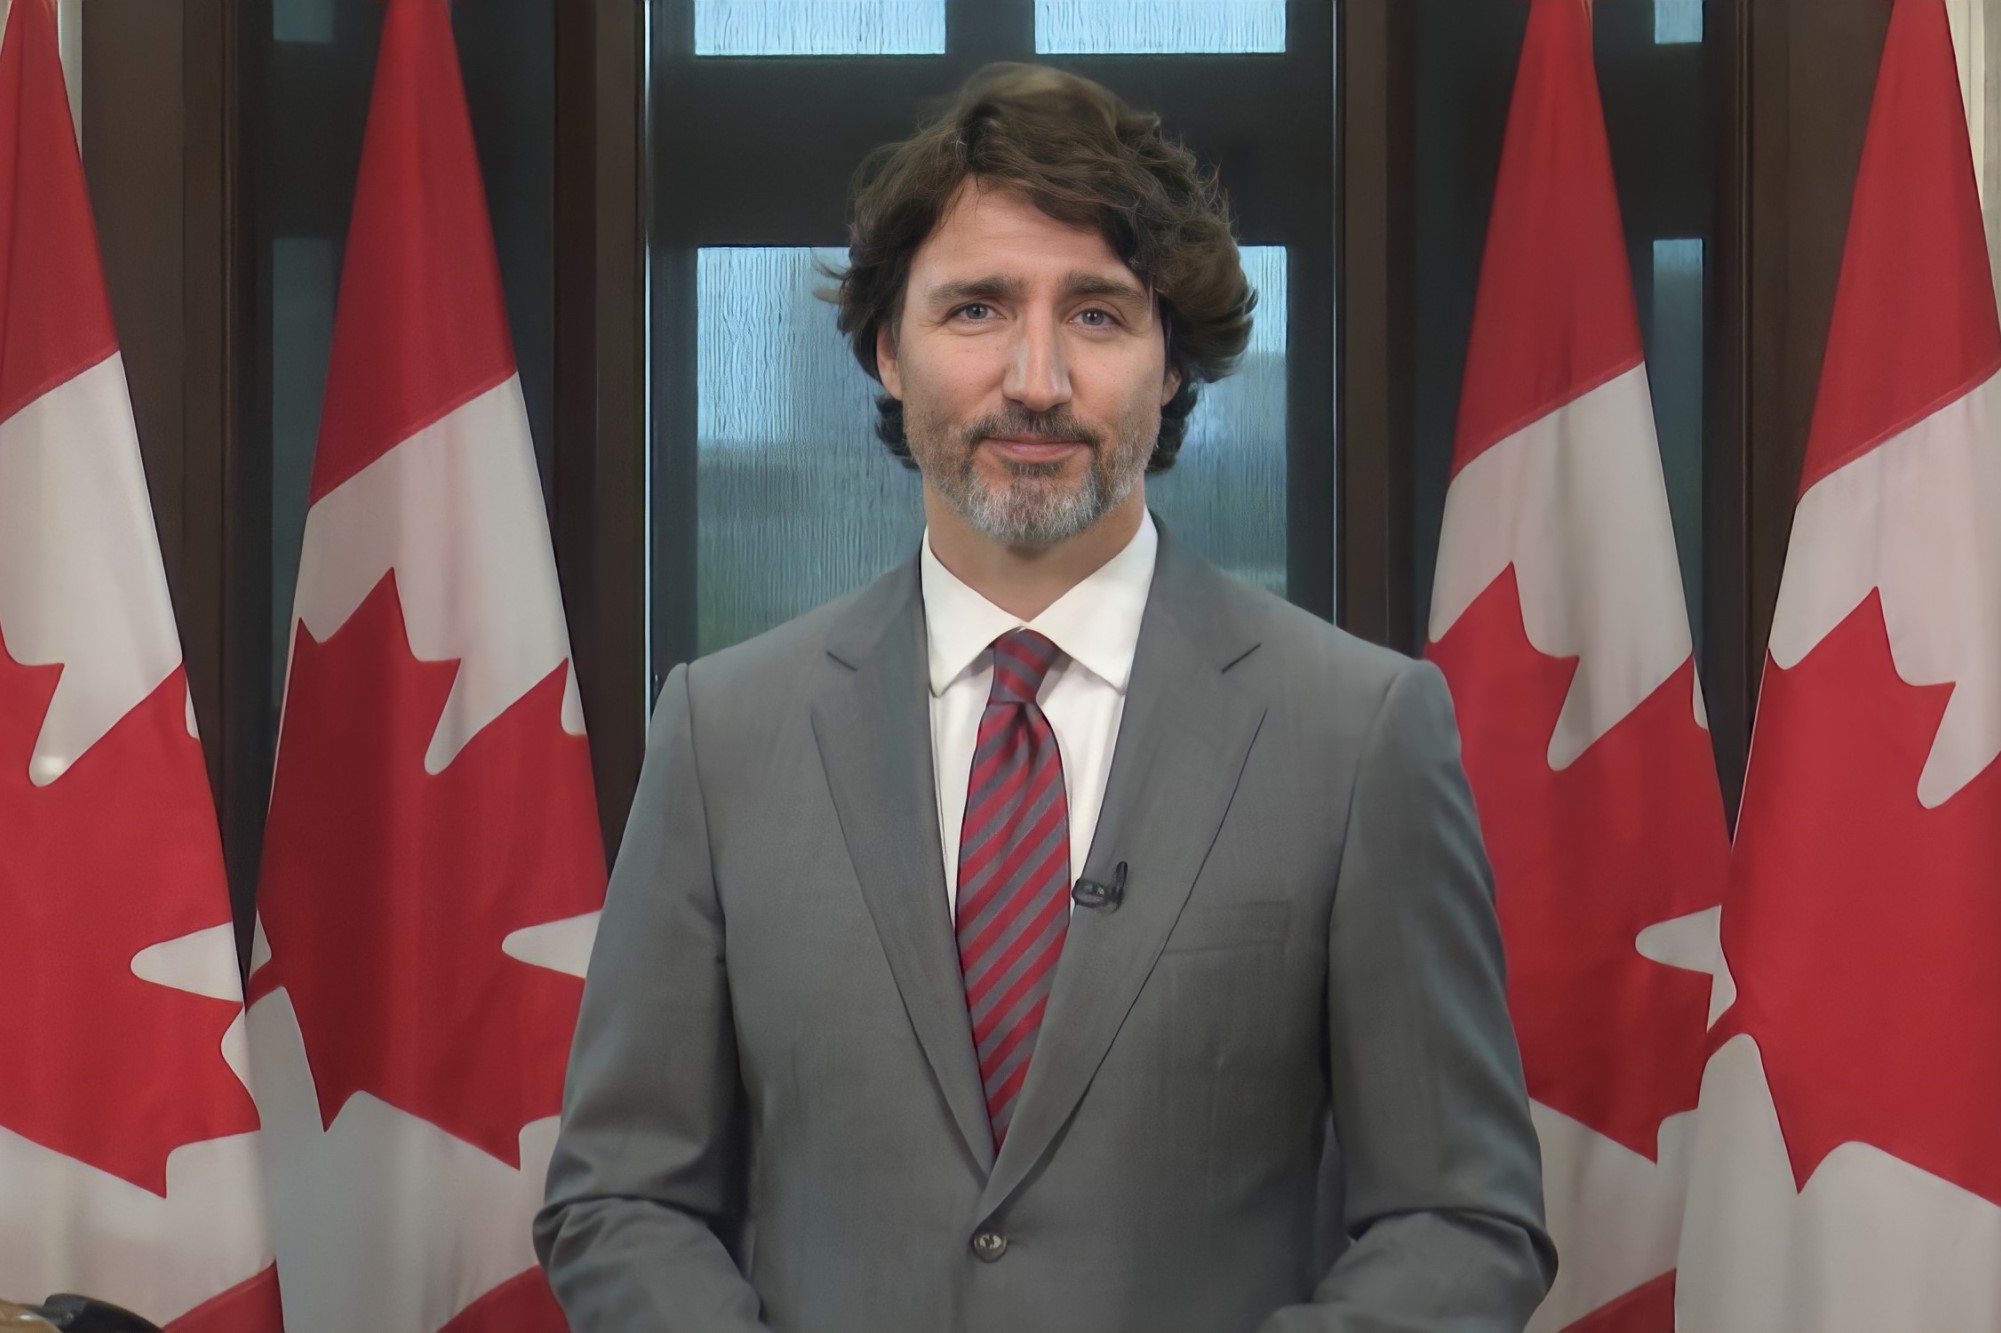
x=733 y=318
x=1102 y=27
x=797 y=500
x=799 y=503
x=819 y=27
x=305 y=272
x=302 y=20
x=1225 y=496
x=1677 y=21
x=1674 y=370
x=1976 y=37
x=69 y=46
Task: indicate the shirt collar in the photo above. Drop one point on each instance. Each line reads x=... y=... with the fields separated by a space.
x=1096 y=623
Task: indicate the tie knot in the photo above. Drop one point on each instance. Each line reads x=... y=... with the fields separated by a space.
x=1021 y=659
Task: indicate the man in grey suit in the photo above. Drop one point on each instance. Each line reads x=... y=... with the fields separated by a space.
x=998 y=947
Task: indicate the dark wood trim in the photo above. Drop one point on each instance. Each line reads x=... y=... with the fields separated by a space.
x=207 y=423
x=1767 y=414
x=134 y=115
x=673 y=422
x=1810 y=76
x=1373 y=421
x=244 y=493
x=1311 y=495
x=163 y=149
x=601 y=410
x=764 y=183
x=228 y=455
x=163 y=101
x=1729 y=678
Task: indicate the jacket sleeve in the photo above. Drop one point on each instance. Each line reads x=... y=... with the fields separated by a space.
x=1444 y=1209
x=646 y=1185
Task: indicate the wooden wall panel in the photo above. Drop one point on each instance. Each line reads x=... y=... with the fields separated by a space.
x=601 y=427
x=163 y=91
x=1813 y=73
x=1377 y=51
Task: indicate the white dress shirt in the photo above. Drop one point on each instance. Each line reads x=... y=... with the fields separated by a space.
x=1096 y=624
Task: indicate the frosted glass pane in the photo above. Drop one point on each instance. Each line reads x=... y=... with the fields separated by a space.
x=1677 y=21
x=1158 y=27
x=1674 y=371
x=797 y=500
x=819 y=27
x=305 y=273
x=1225 y=496
x=302 y=20
x=69 y=51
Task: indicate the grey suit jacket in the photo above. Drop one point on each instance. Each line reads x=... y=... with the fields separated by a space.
x=774 y=1117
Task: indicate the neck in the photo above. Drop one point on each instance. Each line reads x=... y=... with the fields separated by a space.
x=1025 y=580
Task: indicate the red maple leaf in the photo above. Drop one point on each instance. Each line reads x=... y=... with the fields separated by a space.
x=118 y=854
x=386 y=890
x=1862 y=928
x=1629 y=835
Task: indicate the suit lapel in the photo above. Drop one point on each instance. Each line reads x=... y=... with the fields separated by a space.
x=872 y=721
x=1183 y=740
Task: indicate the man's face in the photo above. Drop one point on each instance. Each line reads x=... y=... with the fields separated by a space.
x=1031 y=365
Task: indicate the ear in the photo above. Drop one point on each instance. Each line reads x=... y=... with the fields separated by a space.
x=886 y=365
x=1170 y=386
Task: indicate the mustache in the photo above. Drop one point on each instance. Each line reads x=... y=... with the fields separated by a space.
x=1051 y=426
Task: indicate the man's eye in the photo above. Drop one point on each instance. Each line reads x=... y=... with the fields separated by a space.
x=976 y=310
x=1097 y=319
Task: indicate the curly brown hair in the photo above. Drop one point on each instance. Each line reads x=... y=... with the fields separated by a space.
x=1077 y=152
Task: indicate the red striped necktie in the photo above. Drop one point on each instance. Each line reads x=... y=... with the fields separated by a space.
x=1014 y=871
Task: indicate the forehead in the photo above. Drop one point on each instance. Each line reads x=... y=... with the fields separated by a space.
x=990 y=231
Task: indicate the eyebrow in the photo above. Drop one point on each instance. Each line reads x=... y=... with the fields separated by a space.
x=998 y=287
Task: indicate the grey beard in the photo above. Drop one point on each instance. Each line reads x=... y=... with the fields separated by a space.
x=1034 y=514
x=1032 y=508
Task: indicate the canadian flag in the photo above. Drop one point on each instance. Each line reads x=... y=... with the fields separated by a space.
x=1848 y=1170
x=1558 y=620
x=432 y=861
x=128 y=1143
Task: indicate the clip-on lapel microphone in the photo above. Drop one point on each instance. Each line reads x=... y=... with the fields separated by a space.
x=1107 y=897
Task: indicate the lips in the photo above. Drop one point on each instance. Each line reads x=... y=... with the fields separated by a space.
x=1035 y=450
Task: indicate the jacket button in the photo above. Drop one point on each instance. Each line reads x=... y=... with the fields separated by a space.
x=989 y=1246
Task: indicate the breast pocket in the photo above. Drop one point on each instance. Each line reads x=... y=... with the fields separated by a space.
x=1207 y=927
x=1240 y=1009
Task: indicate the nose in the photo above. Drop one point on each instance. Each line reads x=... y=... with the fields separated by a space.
x=1038 y=372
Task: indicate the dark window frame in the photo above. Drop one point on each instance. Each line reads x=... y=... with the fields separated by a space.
x=761 y=181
